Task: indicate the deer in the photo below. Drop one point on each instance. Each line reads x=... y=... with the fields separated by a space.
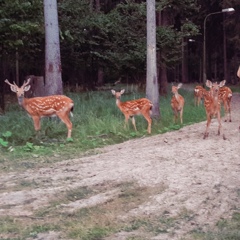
x=177 y=103
x=198 y=94
x=48 y=106
x=225 y=96
x=142 y=106
x=212 y=105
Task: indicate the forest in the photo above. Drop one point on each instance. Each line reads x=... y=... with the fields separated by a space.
x=104 y=41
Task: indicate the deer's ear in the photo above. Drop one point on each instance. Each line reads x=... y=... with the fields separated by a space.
x=26 y=88
x=113 y=92
x=222 y=83
x=122 y=91
x=179 y=85
x=209 y=83
x=13 y=88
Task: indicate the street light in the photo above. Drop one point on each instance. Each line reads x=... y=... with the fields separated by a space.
x=204 y=39
x=190 y=40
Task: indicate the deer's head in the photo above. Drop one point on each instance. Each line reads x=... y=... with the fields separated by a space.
x=19 y=90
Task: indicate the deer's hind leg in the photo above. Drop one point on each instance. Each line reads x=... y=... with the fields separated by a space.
x=134 y=123
x=149 y=120
x=64 y=116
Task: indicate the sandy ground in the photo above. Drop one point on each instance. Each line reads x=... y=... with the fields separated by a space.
x=200 y=175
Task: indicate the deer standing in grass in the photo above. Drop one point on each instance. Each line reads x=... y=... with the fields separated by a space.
x=38 y=107
x=177 y=103
x=131 y=108
x=212 y=105
x=198 y=94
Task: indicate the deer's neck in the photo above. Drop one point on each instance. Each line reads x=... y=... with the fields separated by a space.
x=118 y=102
x=21 y=101
x=176 y=96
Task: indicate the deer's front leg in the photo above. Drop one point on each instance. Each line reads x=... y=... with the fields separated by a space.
x=207 y=127
x=181 y=115
x=126 y=121
x=36 y=122
x=219 y=122
x=134 y=123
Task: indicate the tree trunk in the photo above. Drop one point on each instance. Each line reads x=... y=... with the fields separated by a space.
x=53 y=69
x=152 y=80
x=162 y=71
x=164 y=82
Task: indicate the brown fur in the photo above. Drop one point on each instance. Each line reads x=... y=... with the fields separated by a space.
x=131 y=108
x=37 y=107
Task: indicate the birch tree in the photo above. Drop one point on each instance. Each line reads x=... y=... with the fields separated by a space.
x=53 y=69
x=152 y=92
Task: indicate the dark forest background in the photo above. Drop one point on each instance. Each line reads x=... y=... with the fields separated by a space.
x=103 y=41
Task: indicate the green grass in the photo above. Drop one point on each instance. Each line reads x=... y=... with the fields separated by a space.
x=96 y=122
x=224 y=230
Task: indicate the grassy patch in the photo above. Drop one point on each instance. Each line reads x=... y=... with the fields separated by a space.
x=97 y=122
x=88 y=223
x=225 y=229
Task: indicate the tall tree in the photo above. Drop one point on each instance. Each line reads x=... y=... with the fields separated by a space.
x=53 y=68
x=152 y=80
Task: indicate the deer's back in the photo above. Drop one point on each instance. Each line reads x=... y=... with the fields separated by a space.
x=47 y=106
x=135 y=107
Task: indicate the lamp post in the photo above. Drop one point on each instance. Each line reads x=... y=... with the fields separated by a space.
x=204 y=39
x=190 y=40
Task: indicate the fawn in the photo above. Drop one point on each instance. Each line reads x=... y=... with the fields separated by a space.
x=198 y=94
x=212 y=105
x=130 y=108
x=177 y=103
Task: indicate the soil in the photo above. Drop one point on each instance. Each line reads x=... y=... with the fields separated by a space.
x=200 y=175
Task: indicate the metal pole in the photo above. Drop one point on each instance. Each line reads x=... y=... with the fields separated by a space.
x=204 y=46
x=204 y=39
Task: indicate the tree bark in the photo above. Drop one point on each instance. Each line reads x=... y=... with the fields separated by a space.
x=53 y=69
x=152 y=80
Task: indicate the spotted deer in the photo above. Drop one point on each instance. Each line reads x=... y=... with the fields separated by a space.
x=212 y=105
x=131 y=108
x=198 y=94
x=177 y=103
x=38 y=107
x=225 y=96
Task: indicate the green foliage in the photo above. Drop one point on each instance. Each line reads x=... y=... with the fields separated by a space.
x=6 y=135
x=116 y=40
x=21 y=29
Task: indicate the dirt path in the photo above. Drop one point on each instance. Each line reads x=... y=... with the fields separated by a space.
x=199 y=175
